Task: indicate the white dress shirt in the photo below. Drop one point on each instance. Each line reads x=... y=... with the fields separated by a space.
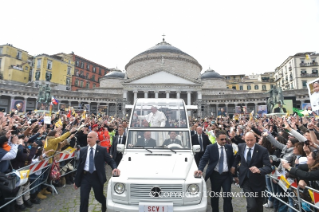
x=225 y=166
x=251 y=151
x=87 y=161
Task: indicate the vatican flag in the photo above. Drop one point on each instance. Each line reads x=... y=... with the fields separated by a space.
x=84 y=114
x=251 y=116
x=308 y=57
x=46 y=143
x=58 y=123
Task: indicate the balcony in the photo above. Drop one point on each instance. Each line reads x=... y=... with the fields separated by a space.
x=308 y=64
x=17 y=67
x=309 y=75
x=84 y=77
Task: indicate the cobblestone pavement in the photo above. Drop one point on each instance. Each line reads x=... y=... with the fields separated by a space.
x=68 y=200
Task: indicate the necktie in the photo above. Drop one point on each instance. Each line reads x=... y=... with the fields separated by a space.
x=248 y=160
x=221 y=160
x=120 y=140
x=91 y=162
x=201 y=143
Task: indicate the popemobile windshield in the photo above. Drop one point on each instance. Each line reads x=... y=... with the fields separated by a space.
x=158 y=165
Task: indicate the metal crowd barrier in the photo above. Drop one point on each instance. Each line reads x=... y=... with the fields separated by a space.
x=45 y=166
x=297 y=199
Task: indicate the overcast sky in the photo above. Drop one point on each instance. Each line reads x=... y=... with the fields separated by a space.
x=231 y=37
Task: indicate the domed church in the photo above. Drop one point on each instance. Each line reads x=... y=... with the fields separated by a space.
x=163 y=71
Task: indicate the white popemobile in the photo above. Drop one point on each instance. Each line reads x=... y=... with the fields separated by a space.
x=157 y=168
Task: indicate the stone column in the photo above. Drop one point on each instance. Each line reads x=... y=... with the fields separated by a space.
x=178 y=94
x=124 y=94
x=199 y=95
x=10 y=107
x=156 y=94
x=135 y=96
x=226 y=108
x=69 y=102
x=256 y=108
x=301 y=102
x=167 y=94
x=25 y=104
x=216 y=113
x=146 y=94
x=36 y=103
x=188 y=97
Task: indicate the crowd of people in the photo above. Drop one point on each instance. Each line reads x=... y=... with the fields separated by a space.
x=27 y=139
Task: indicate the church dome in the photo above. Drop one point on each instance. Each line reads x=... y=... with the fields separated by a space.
x=163 y=56
x=210 y=74
x=115 y=74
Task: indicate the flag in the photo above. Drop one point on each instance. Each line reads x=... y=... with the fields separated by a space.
x=58 y=123
x=54 y=101
x=308 y=57
x=69 y=114
x=83 y=114
x=46 y=143
x=299 y=112
x=251 y=116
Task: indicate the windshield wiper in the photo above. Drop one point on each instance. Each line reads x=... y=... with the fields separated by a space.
x=167 y=148
x=144 y=148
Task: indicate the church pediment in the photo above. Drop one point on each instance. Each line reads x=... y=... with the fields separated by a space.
x=161 y=77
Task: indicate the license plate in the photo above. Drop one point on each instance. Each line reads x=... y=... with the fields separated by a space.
x=155 y=207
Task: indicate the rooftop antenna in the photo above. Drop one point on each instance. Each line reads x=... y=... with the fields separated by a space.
x=163 y=37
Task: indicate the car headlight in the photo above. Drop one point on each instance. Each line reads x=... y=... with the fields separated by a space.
x=193 y=189
x=119 y=188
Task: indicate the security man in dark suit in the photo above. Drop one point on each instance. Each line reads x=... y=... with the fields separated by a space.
x=172 y=139
x=147 y=141
x=254 y=165
x=120 y=139
x=91 y=172
x=221 y=158
x=200 y=139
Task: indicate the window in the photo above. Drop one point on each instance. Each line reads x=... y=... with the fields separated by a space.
x=304 y=83
x=67 y=81
x=100 y=71
x=81 y=83
x=263 y=87
x=76 y=72
x=69 y=70
x=241 y=88
x=39 y=63
x=1 y=50
x=314 y=71
x=0 y=62
x=256 y=87
x=248 y=87
x=82 y=64
x=93 y=77
x=234 y=87
x=291 y=86
x=81 y=74
x=88 y=67
x=87 y=76
x=48 y=76
x=76 y=83
x=26 y=68
x=105 y=72
x=94 y=85
x=49 y=64
x=303 y=72
x=271 y=86
x=87 y=85
x=302 y=60
x=94 y=70
x=77 y=63
x=19 y=55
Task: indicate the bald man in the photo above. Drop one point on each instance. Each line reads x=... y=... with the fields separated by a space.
x=254 y=165
x=91 y=172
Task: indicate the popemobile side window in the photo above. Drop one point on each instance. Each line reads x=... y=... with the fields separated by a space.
x=166 y=113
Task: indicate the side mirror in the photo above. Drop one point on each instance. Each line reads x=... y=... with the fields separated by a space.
x=120 y=148
x=196 y=148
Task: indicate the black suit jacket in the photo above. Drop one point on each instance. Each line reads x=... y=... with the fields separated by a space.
x=101 y=156
x=113 y=150
x=205 y=138
x=141 y=142
x=168 y=142
x=193 y=132
x=212 y=155
x=260 y=159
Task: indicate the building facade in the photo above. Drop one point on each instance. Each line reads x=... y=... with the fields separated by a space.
x=15 y=64
x=87 y=73
x=297 y=70
x=55 y=70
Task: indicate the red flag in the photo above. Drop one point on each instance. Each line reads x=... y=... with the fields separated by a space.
x=69 y=114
